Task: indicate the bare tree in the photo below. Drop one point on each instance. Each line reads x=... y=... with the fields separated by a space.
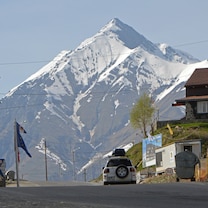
x=142 y=113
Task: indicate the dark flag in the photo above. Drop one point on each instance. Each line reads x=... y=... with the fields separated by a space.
x=20 y=141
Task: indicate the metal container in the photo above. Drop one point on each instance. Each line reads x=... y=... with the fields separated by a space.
x=185 y=165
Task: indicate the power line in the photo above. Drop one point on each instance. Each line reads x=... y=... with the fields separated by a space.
x=110 y=92
x=55 y=94
x=24 y=62
x=46 y=61
x=191 y=43
x=21 y=106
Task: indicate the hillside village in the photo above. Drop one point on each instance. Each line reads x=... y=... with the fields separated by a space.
x=188 y=134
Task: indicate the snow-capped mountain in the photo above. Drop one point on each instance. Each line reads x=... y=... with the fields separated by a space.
x=80 y=102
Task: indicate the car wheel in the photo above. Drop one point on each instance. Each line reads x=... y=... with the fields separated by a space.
x=122 y=171
x=105 y=183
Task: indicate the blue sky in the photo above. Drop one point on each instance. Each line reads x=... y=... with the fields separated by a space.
x=33 y=31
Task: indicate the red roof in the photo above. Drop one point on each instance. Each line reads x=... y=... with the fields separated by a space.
x=199 y=77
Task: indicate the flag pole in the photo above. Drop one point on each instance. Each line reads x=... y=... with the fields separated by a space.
x=16 y=152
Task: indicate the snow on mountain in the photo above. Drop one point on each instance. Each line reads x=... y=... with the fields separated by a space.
x=80 y=102
x=175 y=54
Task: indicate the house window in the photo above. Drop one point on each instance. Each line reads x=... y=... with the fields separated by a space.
x=202 y=107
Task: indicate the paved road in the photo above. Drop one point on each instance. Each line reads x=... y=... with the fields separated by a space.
x=174 y=195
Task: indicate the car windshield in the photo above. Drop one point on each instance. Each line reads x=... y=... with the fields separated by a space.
x=119 y=161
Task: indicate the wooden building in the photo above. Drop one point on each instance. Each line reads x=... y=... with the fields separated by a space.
x=196 y=100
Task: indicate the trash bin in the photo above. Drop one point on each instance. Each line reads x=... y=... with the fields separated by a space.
x=185 y=165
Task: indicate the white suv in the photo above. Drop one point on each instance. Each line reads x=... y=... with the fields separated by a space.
x=119 y=170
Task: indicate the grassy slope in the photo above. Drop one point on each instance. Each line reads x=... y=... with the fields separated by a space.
x=188 y=131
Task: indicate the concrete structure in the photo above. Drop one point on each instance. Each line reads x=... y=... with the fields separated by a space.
x=165 y=156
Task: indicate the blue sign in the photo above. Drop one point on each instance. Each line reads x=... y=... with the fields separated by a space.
x=149 y=145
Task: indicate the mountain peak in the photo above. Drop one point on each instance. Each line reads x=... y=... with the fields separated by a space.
x=114 y=24
x=130 y=37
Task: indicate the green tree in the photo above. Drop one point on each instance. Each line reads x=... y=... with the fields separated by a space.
x=142 y=113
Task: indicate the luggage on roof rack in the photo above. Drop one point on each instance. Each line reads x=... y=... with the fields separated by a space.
x=119 y=152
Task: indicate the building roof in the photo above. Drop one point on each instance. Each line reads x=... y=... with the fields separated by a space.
x=199 y=77
x=182 y=101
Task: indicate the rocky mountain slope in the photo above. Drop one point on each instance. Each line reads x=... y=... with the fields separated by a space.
x=79 y=103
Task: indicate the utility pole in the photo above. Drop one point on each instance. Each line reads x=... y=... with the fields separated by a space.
x=73 y=160
x=85 y=175
x=46 y=168
x=74 y=168
x=16 y=152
